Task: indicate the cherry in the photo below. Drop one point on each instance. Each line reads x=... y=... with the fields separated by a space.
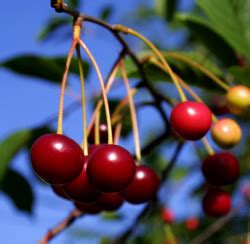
x=103 y=132
x=238 y=99
x=58 y=190
x=57 y=159
x=216 y=203
x=93 y=208
x=80 y=190
x=110 y=201
x=191 y=120
x=144 y=186
x=110 y=168
x=226 y=133
x=192 y=223
x=167 y=216
x=219 y=106
x=221 y=169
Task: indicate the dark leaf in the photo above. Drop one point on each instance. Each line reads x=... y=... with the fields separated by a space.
x=241 y=74
x=19 y=190
x=106 y=13
x=166 y=8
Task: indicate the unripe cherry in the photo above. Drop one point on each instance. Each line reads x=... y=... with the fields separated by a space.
x=238 y=99
x=216 y=203
x=191 y=120
x=57 y=159
x=221 y=169
x=226 y=133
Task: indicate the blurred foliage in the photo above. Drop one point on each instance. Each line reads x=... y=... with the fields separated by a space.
x=217 y=37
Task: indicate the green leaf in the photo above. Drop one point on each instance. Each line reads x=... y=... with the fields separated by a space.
x=48 y=68
x=106 y=12
x=231 y=20
x=9 y=147
x=19 y=190
x=52 y=27
x=179 y=174
x=74 y=3
x=166 y=8
x=202 y=29
x=241 y=75
x=111 y=216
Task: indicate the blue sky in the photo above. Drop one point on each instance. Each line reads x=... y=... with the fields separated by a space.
x=25 y=102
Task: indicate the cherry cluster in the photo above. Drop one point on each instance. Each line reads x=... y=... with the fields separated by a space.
x=100 y=181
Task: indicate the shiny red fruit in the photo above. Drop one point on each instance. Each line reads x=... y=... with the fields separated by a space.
x=92 y=208
x=216 y=203
x=191 y=120
x=110 y=201
x=110 y=168
x=144 y=186
x=221 y=169
x=80 y=190
x=167 y=216
x=103 y=130
x=58 y=190
x=57 y=159
x=192 y=223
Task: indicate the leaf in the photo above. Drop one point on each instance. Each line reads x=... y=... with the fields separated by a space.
x=203 y=30
x=10 y=146
x=74 y=3
x=241 y=75
x=106 y=12
x=48 y=68
x=231 y=20
x=166 y=8
x=111 y=216
x=19 y=190
x=52 y=27
x=179 y=173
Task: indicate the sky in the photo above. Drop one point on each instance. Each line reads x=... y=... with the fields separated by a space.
x=25 y=102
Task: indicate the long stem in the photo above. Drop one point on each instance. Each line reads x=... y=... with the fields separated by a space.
x=97 y=127
x=117 y=135
x=207 y=145
x=157 y=54
x=84 y=107
x=192 y=93
x=105 y=99
x=200 y=67
x=133 y=115
x=63 y=87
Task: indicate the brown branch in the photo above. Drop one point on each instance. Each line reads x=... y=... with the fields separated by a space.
x=75 y=214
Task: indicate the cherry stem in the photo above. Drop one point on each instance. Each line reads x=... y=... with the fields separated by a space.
x=75 y=214
x=107 y=89
x=105 y=99
x=207 y=145
x=133 y=114
x=170 y=238
x=63 y=87
x=84 y=108
x=97 y=127
x=192 y=93
x=157 y=53
x=200 y=67
x=117 y=135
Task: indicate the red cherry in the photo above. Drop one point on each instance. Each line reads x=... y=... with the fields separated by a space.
x=80 y=190
x=110 y=201
x=221 y=169
x=57 y=159
x=167 y=216
x=58 y=190
x=216 y=203
x=86 y=208
x=191 y=120
x=103 y=130
x=144 y=186
x=110 y=168
x=192 y=223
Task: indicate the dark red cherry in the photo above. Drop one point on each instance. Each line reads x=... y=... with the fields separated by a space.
x=110 y=201
x=103 y=130
x=216 y=203
x=57 y=159
x=110 y=168
x=80 y=190
x=88 y=208
x=221 y=169
x=144 y=186
x=191 y=120
x=58 y=190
